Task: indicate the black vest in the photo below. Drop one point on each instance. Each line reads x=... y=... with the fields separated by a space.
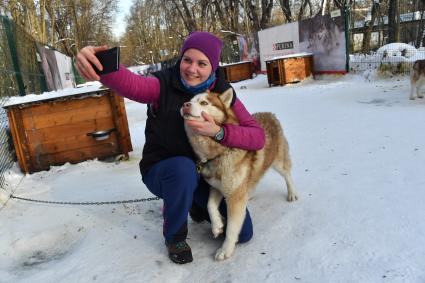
x=164 y=132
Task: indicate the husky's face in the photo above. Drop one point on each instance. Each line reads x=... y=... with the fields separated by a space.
x=213 y=104
x=206 y=102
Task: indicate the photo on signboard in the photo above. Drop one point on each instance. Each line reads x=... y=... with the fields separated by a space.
x=325 y=38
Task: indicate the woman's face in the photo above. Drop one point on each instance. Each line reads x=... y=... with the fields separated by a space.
x=195 y=67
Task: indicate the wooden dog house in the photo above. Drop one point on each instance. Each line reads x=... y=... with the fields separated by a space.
x=289 y=68
x=84 y=124
x=238 y=71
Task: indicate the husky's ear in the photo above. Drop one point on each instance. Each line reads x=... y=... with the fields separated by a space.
x=227 y=97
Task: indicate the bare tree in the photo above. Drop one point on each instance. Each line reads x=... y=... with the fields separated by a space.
x=153 y=33
x=304 y=4
x=259 y=14
x=232 y=8
x=394 y=21
x=53 y=21
x=186 y=15
x=369 y=27
x=286 y=10
x=324 y=6
x=339 y=4
x=421 y=24
x=266 y=13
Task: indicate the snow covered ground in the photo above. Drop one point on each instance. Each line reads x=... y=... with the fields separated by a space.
x=358 y=149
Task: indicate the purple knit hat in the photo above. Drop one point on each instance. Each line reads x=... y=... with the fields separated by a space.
x=205 y=42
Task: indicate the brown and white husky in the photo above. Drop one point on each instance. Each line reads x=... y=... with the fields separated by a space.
x=233 y=172
x=417 y=79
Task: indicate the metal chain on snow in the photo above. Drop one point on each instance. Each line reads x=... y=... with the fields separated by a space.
x=85 y=202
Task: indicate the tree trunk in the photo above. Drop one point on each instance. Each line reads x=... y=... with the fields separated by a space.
x=421 y=26
x=204 y=14
x=286 y=10
x=234 y=8
x=221 y=17
x=393 y=21
x=369 y=28
x=253 y=12
x=186 y=15
x=304 y=5
x=339 y=4
x=253 y=15
x=43 y=20
x=266 y=13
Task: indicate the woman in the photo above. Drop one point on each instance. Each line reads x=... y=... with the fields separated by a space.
x=168 y=163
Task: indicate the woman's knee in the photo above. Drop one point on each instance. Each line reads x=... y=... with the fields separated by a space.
x=247 y=230
x=179 y=179
x=183 y=171
x=246 y=234
x=173 y=175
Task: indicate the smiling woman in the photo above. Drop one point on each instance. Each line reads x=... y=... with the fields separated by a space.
x=195 y=67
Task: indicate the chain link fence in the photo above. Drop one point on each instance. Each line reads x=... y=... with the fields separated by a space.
x=7 y=156
x=20 y=74
x=370 y=31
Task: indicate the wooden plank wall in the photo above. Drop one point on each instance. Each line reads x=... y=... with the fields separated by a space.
x=121 y=123
x=289 y=70
x=55 y=132
x=297 y=69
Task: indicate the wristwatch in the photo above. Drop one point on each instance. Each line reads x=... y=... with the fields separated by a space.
x=220 y=135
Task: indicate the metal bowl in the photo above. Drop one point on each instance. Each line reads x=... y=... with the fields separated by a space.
x=101 y=135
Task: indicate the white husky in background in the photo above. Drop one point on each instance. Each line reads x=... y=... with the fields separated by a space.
x=417 y=79
x=231 y=172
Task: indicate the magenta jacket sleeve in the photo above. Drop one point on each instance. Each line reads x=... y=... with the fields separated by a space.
x=132 y=86
x=248 y=135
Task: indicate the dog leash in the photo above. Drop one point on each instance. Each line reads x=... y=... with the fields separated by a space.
x=84 y=202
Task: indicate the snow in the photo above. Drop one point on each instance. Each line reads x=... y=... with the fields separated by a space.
x=301 y=54
x=389 y=54
x=358 y=151
x=397 y=49
x=237 y=63
x=82 y=89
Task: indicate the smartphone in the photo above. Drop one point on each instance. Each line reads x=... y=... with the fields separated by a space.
x=110 y=60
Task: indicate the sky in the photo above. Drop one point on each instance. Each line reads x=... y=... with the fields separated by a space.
x=358 y=148
x=119 y=26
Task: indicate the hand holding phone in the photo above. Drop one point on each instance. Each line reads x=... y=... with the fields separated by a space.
x=110 y=60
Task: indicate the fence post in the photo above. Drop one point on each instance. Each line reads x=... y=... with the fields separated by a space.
x=347 y=35
x=13 y=54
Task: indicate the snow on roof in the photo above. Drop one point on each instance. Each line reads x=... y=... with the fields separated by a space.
x=294 y=55
x=86 y=88
x=236 y=63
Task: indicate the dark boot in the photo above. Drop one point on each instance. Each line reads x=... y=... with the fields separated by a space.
x=198 y=214
x=178 y=250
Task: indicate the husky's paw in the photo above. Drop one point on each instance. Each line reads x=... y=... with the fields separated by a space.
x=217 y=224
x=411 y=98
x=223 y=253
x=292 y=197
x=217 y=229
x=420 y=96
